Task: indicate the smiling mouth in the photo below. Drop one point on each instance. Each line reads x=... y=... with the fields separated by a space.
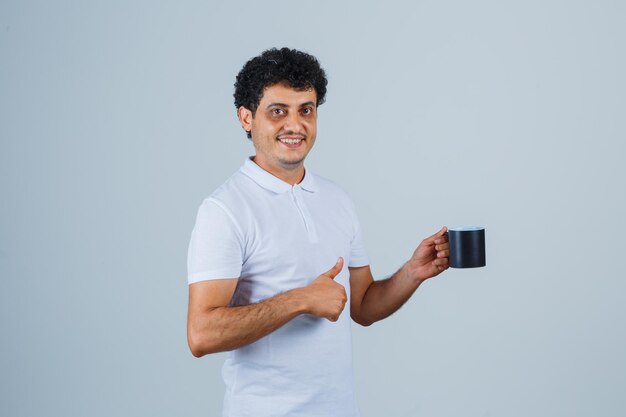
x=291 y=141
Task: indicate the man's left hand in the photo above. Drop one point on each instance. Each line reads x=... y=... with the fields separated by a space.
x=431 y=256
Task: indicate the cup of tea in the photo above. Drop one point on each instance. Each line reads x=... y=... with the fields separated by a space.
x=467 y=247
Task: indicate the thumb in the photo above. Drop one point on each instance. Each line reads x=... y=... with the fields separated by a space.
x=335 y=270
x=440 y=233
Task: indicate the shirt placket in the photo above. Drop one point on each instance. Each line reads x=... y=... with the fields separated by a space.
x=296 y=195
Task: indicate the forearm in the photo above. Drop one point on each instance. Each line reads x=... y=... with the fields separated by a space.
x=385 y=297
x=227 y=328
x=374 y=300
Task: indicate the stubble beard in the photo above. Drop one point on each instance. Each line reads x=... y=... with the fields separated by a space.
x=280 y=161
x=291 y=165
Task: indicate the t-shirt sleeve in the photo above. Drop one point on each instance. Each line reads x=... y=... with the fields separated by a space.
x=358 y=253
x=216 y=245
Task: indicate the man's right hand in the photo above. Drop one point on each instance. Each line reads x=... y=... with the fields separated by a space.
x=214 y=326
x=325 y=297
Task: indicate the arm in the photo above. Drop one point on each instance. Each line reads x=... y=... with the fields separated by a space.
x=372 y=301
x=212 y=326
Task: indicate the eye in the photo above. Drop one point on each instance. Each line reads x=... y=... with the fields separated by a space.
x=307 y=111
x=277 y=111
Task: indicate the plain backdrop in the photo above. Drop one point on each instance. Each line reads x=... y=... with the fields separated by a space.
x=117 y=120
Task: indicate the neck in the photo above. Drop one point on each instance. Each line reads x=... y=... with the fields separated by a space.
x=291 y=175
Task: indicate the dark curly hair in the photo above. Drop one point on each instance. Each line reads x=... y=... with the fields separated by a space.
x=296 y=69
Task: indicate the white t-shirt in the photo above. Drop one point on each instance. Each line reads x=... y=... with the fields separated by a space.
x=275 y=237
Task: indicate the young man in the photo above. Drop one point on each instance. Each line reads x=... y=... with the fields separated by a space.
x=276 y=254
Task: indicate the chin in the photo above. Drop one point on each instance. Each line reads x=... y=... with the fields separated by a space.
x=291 y=162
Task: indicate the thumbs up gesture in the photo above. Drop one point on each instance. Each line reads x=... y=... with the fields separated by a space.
x=325 y=297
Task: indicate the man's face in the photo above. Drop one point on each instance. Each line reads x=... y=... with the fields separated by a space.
x=283 y=127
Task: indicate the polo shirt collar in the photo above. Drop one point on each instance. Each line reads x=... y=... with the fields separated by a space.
x=275 y=184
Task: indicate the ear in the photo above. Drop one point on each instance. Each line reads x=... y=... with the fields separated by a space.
x=245 y=118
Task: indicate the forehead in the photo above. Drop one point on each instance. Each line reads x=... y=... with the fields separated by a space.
x=281 y=93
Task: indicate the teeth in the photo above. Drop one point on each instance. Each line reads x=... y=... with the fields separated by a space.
x=291 y=141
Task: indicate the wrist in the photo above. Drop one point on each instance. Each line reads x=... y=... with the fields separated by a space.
x=298 y=301
x=411 y=270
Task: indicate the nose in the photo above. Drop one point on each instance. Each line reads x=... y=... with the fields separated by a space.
x=292 y=123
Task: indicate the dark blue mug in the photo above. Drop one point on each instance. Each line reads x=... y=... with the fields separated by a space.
x=467 y=247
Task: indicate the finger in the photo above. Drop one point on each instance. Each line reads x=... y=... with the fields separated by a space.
x=336 y=269
x=335 y=316
x=443 y=246
x=440 y=262
x=443 y=254
x=436 y=236
x=443 y=238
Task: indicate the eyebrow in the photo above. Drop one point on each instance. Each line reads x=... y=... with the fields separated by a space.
x=308 y=103
x=276 y=105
